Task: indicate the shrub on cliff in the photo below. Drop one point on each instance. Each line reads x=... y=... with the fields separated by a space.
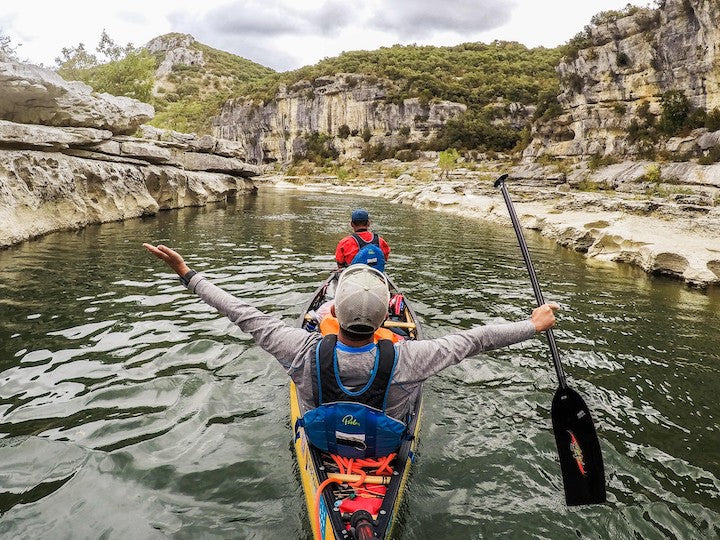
x=118 y=70
x=548 y=106
x=712 y=156
x=475 y=130
x=344 y=131
x=679 y=116
x=318 y=149
x=580 y=41
x=712 y=120
x=675 y=112
x=376 y=152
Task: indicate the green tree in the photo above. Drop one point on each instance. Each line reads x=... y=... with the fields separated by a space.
x=132 y=76
x=73 y=63
x=117 y=70
x=675 y=112
x=447 y=161
x=111 y=50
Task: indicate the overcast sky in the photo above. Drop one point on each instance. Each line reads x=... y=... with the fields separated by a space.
x=287 y=34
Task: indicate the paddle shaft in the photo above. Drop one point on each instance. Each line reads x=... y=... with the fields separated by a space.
x=533 y=279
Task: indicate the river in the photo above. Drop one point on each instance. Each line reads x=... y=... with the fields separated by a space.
x=130 y=410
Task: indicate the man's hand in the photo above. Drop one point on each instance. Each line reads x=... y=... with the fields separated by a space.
x=172 y=258
x=543 y=317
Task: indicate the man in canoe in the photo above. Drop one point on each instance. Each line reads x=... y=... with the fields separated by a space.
x=362 y=246
x=361 y=306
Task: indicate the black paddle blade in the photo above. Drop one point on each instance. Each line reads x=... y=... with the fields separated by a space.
x=579 y=449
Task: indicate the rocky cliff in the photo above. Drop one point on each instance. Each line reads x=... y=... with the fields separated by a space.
x=349 y=109
x=175 y=50
x=67 y=158
x=612 y=88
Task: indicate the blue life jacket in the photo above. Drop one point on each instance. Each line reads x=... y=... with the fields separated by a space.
x=352 y=424
x=369 y=252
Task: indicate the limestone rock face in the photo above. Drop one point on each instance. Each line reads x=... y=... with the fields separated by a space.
x=65 y=162
x=631 y=63
x=280 y=129
x=51 y=137
x=203 y=143
x=178 y=51
x=34 y=95
x=47 y=191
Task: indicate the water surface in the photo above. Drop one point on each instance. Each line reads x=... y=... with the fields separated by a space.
x=129 y=409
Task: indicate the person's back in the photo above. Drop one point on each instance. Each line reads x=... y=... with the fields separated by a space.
x=363 y=246
x=354 y=358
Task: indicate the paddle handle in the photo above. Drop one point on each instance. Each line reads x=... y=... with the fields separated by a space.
x=500 y=182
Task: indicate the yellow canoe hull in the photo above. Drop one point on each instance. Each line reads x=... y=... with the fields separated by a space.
x=310 y=477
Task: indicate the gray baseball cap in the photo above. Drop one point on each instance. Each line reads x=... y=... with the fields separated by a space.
x=361 y=299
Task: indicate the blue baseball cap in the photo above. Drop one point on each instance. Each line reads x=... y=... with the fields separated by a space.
x=359 y=215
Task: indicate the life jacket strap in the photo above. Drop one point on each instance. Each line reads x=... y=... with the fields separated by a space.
x=361 y=242
x=327 y=385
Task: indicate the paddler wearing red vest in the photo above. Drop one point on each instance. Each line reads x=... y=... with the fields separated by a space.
x=362 y=246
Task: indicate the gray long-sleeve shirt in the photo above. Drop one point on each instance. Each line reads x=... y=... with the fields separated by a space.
x=294 y=348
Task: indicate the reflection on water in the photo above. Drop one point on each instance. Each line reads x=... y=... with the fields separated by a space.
x=129 y=409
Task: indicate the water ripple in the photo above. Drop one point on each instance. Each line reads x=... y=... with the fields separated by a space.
x=130 y=409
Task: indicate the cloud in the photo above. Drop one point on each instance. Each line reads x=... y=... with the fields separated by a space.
x=262 y=52
x=284 y=34
x=420 y=18
x=266 y=32
x=262 y=21
x=7 y=20
x=132 y=17
x=331 y=18
x=267 y=20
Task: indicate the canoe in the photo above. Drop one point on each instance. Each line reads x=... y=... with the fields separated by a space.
x=370 y=509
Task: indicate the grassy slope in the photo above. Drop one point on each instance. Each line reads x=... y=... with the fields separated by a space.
x=189 y=96
x=486 y=77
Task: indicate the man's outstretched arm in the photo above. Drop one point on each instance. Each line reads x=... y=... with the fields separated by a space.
x=420 y=360
x=286 y=343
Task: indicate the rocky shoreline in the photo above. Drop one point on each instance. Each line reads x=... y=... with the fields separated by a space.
x=661 y=237
x=70 y=157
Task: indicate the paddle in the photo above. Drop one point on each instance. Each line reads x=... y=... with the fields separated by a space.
x=577 y=442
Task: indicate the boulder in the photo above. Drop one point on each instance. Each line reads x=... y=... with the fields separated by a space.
x=708 y=140
x=35 y=95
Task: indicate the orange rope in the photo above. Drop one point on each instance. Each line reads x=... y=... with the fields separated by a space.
x=317 y=503
x=352 y=466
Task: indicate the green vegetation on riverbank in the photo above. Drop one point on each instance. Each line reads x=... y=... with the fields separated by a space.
x=488 y=78
x=185 y=100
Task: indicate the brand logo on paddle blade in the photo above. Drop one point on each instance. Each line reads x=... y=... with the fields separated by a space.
x=576 y=452
x=349 y=420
